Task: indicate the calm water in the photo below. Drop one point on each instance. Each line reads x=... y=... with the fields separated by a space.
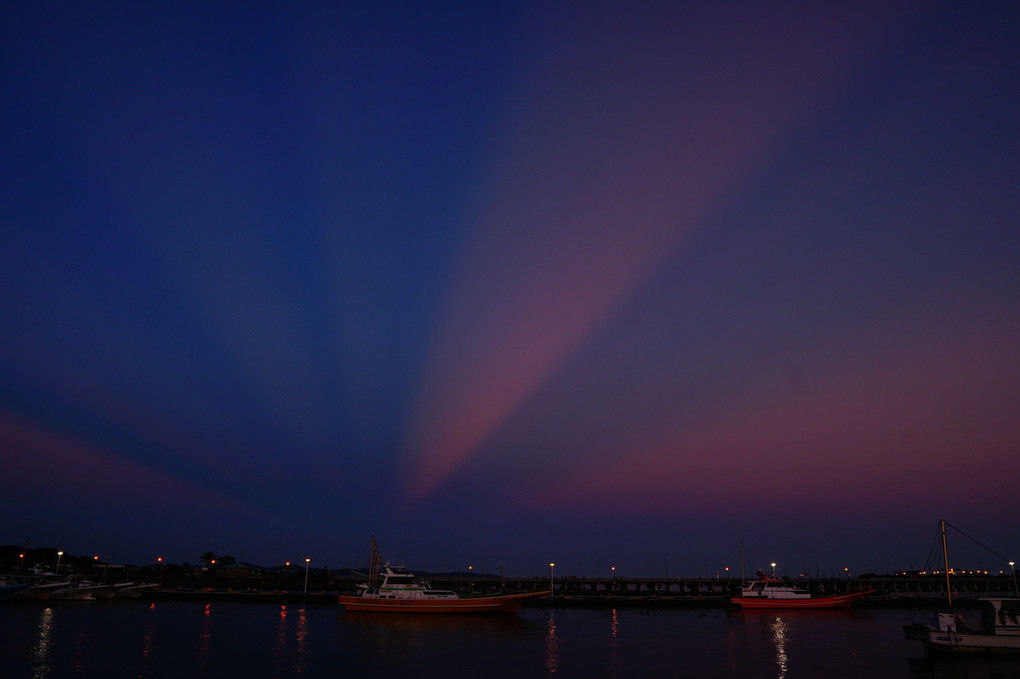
x=132 y=639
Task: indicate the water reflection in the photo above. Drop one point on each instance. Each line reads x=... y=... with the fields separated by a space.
x=145 y=667
x=614 y=643
x=204 y=638
x=41 y=651
x=780 y=631
x=281 y=632
x=291 y=657
x=552 y=646
x=301 y=645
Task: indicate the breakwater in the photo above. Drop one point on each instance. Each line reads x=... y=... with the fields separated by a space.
x=572 y=590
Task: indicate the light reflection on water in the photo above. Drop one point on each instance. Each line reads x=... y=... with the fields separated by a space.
x=780 y=630
x=40 y=654
x=204 y=641
x=191 y=640
x=291 y=661
x=145 y=666
x=552 y=654
x=614 y=643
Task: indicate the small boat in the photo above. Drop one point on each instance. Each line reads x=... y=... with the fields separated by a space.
x=8 y=591
x=77 y=591
x=772 y=593
x=400 y=592
x=40 y=591
x=133 y=591
x=998 y=631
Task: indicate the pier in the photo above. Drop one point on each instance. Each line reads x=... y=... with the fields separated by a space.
x=580 y=591
x=719 y=589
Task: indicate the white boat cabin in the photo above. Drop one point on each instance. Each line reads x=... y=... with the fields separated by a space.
x=774 y=589
x=398 y=583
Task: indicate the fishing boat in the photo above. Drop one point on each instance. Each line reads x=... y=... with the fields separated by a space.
x=769 y=592
x=7 y=591
x=997 y=632
x=401 y=592
x=40 y=591
x=82 y=590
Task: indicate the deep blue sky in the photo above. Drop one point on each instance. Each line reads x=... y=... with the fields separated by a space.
x=520 y=282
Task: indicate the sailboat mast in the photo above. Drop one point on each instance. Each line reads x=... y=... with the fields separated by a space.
x=945 y=557
x=741 y=562
x=374 y=561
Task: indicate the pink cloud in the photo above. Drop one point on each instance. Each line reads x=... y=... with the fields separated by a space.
x=598 y=176
x=38 y=459
x=904 y=427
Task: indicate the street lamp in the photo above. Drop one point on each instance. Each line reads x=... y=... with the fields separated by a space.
x=59 y=554
x=306 y=575
x=551 y=566
x=1013 y=574
x=773 y=570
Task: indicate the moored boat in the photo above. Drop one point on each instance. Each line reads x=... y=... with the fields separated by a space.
x=40 y=591
x=997 y=632
x=77 y=591
x=401 y=592
x=8 y=591
x=772 y=593
x=134 y=591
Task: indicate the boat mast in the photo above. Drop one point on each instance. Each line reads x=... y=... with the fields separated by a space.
x=945 y=557
x=374 y=561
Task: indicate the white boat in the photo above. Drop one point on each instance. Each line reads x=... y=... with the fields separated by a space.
x=133 y=591
x=80 y=591
x=998 y=631
x=772 y=593
x=400 y=592
x=40 y=591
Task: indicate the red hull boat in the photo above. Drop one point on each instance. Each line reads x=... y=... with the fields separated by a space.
x=400 y=592
x=771 y=593
x=506 y=603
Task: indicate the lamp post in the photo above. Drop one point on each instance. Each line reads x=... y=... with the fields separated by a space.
x=307 y=561
x=773 y=570
x=59 y=554
x=613 y=569
x=1013 y=575
x=551 y=566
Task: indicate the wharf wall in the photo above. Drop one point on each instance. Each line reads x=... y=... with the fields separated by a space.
x=892 y=590
x=722 y=588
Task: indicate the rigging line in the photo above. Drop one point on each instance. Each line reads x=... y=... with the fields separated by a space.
x=976 y=542
x=929 y=564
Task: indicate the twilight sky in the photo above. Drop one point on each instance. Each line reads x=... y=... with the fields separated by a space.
x=596 y=283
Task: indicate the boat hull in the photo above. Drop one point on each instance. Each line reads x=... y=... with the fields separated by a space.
x=508 y=603
x=942 y=641
x=838 y=601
